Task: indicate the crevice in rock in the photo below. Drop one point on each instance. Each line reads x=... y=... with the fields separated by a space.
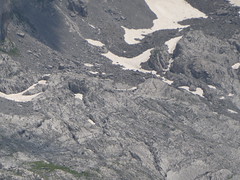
x=156 y=160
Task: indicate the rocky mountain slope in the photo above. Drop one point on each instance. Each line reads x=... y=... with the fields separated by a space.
x=104 y=89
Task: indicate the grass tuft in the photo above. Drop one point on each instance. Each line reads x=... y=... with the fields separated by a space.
x=41 y=166
x=14 y=52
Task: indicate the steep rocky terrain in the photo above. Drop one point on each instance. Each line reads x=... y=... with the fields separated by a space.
x=104 y=89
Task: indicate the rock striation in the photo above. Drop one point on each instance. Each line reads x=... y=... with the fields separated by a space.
x=67 y=112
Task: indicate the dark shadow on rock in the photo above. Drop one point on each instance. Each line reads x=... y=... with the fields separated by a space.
x=26 y=141
x=42 y=18
x=4 y=18
x=78 y=86
x=78 y=7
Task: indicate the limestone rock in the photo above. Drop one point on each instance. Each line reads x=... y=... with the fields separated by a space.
x=78 y=6
x=159 y=59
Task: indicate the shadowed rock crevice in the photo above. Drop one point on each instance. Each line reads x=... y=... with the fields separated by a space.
x=5 y=13
x=42 y=18
x=159 y=60
x=78 y=86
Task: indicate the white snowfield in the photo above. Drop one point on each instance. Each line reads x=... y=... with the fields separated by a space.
x=134 y=63
x=198 y=91
x=235 y=2
x=127 y=63
x=88 y=65
x=94 y=42
x=212 y=87
x=130 y=63
x=91 y=122
x=232 y=111
x=79 y=96
x=169 y=82
x=127 y=89
x=169 y=13
x=237 y=65
x=172 y=43
x=20 y=97
x=93 y=72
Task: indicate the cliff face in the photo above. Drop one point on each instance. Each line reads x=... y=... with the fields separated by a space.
x=101 y=89
x=4 y=18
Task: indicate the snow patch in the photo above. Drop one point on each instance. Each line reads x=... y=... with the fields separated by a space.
x=232 y=111
x=172 y=43
x=169 y=82
x=79 y=96
x=235 y=2
x=129 y=89
x=88 y=65
x=169 y=66
x=131 y=63
x=46 y=75
x=199 y=91
x=92 y=26
x=236 y=66
x=212 y=87
x=132 y=89
x=93 y=72
x=127 y=63
x=94 y=42
x=91 y=122
x=43 y=82
x=230 y=95
x=20 y=97
x=169 y=13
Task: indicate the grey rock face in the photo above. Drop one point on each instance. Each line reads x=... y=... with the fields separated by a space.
x=235 y=41
x=78 y=6
x=90 y=119
x=7 y=46
x=77 y=86
x=13 y=78
x=205 y=60
x=159 y=59
x=4 y=18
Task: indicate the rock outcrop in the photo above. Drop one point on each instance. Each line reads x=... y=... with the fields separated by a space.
x=78 y=7
x=159 y=60
x=5 y=10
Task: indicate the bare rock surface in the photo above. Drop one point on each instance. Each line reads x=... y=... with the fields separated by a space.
x=67 y=112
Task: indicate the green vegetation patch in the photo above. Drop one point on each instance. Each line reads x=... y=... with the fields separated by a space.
x=9 y=48
x=14 y=52
x=41 y=167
